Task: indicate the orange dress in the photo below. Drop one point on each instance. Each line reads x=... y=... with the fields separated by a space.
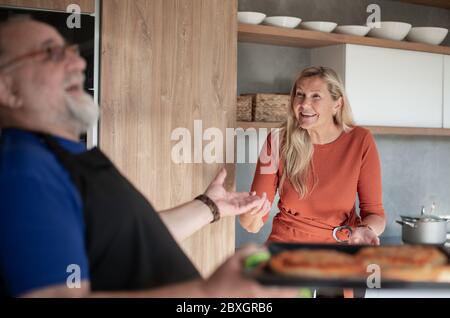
x=343 y=169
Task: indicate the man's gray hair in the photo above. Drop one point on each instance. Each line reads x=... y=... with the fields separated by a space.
x=14 y=19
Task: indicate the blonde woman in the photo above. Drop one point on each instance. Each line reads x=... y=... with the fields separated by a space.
x=325 y=162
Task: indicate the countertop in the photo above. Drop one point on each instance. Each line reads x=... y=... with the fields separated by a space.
x=396 y=240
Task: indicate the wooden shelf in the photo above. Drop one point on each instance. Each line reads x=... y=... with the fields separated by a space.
x=257 y=125
x=408 y=131
x=432 y=3
x=376 y=130
x=309 y=39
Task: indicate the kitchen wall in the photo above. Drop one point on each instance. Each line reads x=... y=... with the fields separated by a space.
x=416 y=170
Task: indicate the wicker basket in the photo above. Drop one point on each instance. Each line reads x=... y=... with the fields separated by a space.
x=244 y=108
x=271 y=107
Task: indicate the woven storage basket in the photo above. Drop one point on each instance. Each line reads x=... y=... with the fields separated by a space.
x=244 y=108
x=270 y=107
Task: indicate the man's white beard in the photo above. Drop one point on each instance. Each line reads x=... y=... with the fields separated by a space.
x=83 y=110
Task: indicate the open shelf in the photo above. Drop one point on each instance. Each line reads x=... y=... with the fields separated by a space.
x=376 y=130
x=432 y=3
x=309 y=39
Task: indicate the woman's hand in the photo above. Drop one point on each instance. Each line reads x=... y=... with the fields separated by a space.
x=235 y=203
x=364 y=236
x=252 y=222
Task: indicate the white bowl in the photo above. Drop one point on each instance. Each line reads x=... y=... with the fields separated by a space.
x=428 y=35
x=284 y=22
x=390 y=30
x=250 y=17
x=321 y=26
x=359 y=30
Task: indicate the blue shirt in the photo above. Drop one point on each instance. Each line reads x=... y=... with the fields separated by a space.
x=41 y=216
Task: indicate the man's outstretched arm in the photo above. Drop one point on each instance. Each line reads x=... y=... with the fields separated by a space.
x=185 y=220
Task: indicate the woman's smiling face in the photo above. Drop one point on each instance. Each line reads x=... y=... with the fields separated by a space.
x=313 y=104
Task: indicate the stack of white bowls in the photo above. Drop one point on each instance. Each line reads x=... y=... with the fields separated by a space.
x=389 y=30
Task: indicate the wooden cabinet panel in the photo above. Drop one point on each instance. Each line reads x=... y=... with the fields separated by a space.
x=87 y=6
x=166 y=63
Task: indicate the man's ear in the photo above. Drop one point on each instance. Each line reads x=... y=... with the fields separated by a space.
x=7 y=97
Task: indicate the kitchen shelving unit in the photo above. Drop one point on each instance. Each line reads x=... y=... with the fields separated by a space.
x=263 y=34
x=310 y=39
x=432 y=3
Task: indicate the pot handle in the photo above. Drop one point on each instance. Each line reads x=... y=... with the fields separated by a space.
x=403 y=223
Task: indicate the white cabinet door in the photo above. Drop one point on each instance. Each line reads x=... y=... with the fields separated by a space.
x=390 y=87
x=446 y=91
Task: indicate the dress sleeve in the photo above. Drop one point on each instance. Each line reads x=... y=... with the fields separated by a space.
x=266 y=173
x=369 y=183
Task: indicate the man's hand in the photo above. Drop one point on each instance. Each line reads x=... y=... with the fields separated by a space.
x=364 y=236
x=229 y=281
x=235 y=203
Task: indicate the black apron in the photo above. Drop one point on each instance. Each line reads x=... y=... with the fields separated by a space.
x=128 y=246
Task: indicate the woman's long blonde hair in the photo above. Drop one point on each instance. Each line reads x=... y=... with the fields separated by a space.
x=296 y=145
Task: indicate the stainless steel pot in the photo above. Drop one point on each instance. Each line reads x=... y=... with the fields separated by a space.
x=426 y=229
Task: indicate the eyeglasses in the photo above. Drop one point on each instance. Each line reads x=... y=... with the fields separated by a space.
x=54 y=54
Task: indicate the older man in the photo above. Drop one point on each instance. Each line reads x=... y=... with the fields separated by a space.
x=65 y=210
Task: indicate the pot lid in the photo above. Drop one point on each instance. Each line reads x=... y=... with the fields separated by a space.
x=424 y=218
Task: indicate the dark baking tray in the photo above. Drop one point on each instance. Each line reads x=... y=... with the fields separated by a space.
x=265 y=276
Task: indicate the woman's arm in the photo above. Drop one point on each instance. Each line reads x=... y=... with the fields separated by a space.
x=265 y=183
x=370 y=196
x=376 y=223
x=368 y=233
x=186 y=219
